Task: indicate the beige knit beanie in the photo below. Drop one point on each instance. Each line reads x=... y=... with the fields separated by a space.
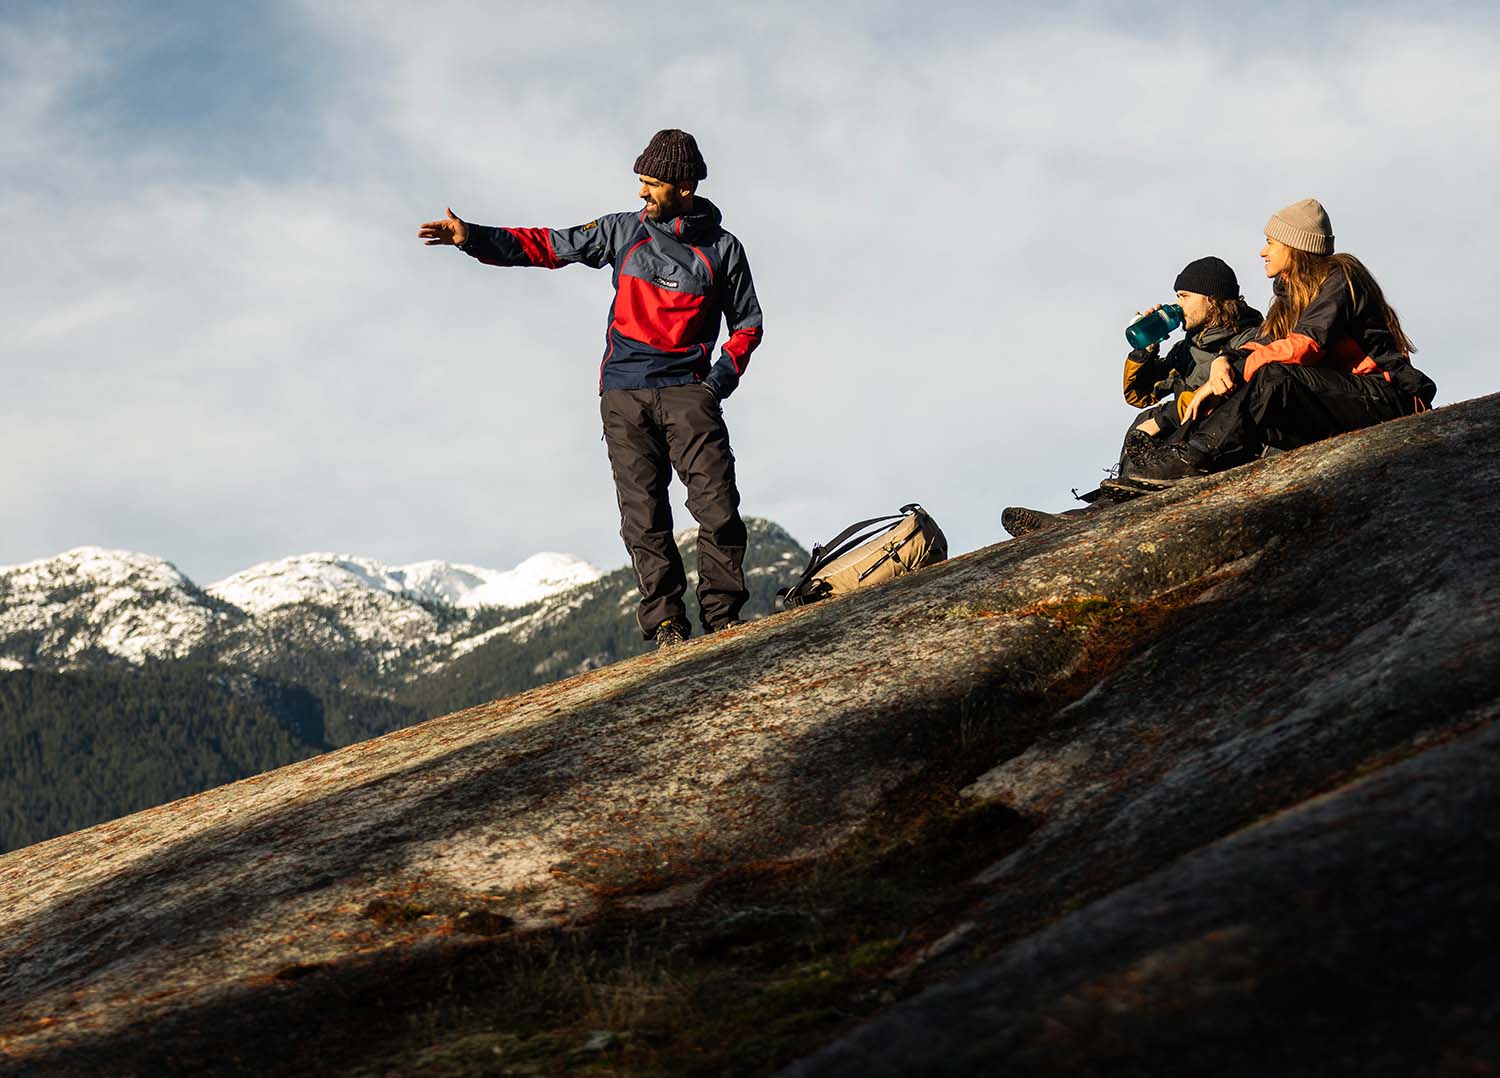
x=1303 y=225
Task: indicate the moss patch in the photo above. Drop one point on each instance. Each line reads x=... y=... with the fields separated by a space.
x=386 y=911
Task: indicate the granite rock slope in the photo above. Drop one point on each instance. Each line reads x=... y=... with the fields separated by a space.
x=1253 y=748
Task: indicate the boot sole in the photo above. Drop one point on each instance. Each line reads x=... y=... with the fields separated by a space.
x=1019 y=521
x=1133 y=488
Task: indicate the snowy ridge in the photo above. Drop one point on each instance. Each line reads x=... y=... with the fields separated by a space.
x=99 y=565
x=129 y=605
x=469 y=587
x=370 y=626
x=325 y=577
x=111 y=603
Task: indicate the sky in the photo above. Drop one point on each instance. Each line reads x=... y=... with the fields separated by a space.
x=223 y=343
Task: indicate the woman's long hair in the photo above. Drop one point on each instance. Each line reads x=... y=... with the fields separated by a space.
x=1302 y=278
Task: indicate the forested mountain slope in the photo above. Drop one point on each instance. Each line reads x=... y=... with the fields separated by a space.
x=124 y=685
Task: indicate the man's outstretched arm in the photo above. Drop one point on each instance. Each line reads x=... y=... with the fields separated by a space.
x=592 y=244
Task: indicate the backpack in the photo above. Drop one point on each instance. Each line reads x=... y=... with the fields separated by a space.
x=869 y=552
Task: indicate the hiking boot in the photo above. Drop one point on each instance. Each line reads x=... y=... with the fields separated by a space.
x=671 y=632
x=1138 y=440
x=1019 y=521
x=1137 y=444
x=1167 y=464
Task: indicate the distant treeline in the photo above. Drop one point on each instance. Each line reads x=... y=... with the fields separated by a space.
x=76 y=749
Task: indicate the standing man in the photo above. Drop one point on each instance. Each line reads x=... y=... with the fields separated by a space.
x=677 y=273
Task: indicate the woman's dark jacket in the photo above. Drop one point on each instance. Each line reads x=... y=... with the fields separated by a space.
x=1342 y=329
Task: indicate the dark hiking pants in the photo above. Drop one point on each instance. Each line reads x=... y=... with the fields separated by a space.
x=649 y=432
x=1165 y=415
x=1286 y=406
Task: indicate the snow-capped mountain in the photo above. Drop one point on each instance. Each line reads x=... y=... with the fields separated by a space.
x=342 y=623
x=90 y=600
x=90 y=604
x=468 y=587
x=321 y=577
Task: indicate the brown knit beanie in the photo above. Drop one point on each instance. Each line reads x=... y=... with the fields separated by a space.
x=672 y=155
x=1303 y=225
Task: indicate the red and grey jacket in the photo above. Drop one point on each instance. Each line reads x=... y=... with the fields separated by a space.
x=1342 y=330
x=674 y=281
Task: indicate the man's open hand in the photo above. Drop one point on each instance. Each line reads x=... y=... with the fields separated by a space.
x=449 y=231
x=1204 y=401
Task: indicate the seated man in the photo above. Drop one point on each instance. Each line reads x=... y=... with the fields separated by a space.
x=1216 y=319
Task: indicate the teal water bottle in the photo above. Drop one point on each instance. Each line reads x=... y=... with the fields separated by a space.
x=1156 y=326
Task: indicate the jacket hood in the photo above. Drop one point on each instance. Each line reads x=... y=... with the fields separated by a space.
x=701 y=225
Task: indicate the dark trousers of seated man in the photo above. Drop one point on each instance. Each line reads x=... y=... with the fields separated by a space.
x=1285 y=405
x=650 y=432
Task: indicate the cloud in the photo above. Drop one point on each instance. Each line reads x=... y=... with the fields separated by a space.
x=228 y=349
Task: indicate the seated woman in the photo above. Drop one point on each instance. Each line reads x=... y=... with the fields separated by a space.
x=1215 y=318
x=1331 y=357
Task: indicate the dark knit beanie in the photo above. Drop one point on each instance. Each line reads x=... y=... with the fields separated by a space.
x=672 y=155
x=1209 y=277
